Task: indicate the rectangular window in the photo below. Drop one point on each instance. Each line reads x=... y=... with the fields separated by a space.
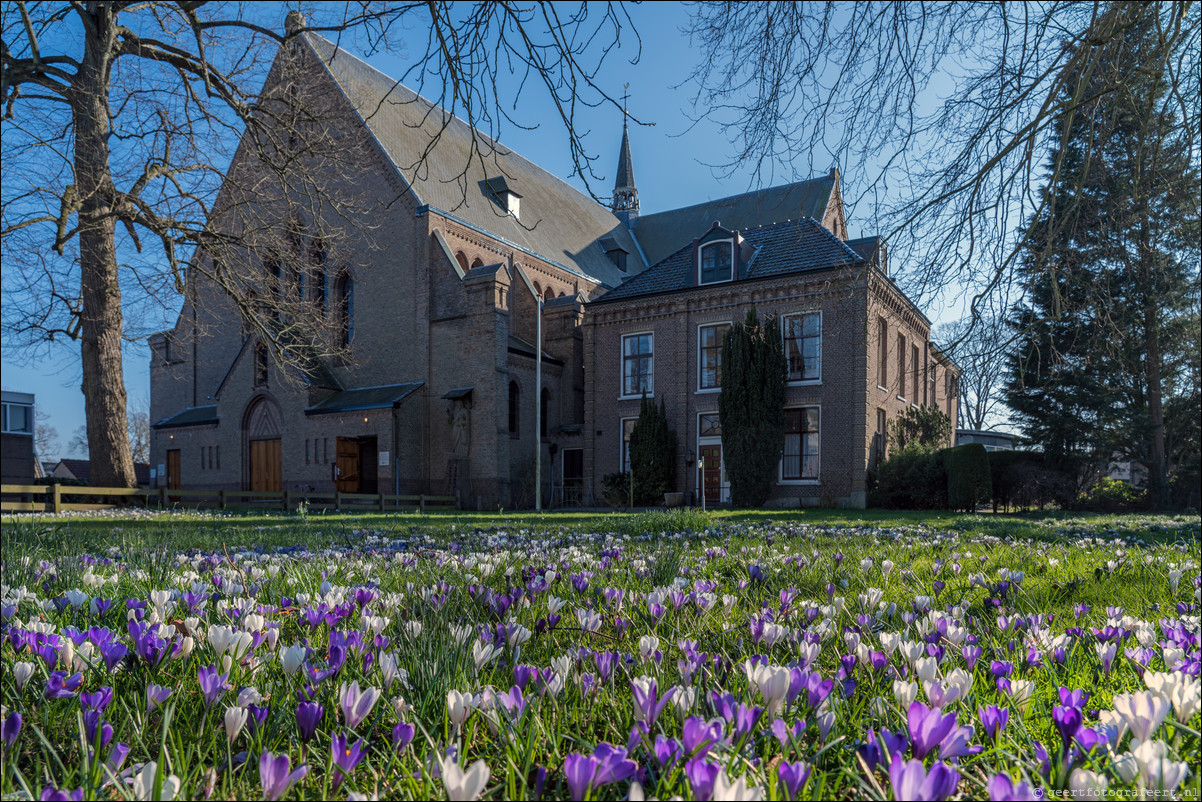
x=325 y=450
x=637 y=364
x=901 y=367
x=882 y=353
x=800 y=461
x=803 y=346
x=306 y=451
x=881 y=438
x=709 y=357
x=914 y=371
x=708 y=425
x=217 y=450
x=627 y=428
x=202 y=458
x=18 y=418
x=716 y=262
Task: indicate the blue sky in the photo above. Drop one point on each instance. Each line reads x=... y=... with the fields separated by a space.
x=671 y=170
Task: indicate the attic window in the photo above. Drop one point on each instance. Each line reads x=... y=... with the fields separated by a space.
x=506 y=196
x=615 y=252
x=717 y=260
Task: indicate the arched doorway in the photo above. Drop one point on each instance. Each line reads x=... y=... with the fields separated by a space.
x=261 y=428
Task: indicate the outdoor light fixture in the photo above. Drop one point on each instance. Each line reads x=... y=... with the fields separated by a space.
x=689 y=456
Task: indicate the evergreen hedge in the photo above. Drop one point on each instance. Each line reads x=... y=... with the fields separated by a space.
x=969 y=483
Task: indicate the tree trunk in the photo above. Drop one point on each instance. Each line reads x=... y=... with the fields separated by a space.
x=1158 y=488
x=100 y=291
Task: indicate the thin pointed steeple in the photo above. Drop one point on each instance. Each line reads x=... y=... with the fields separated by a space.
x=626 y=197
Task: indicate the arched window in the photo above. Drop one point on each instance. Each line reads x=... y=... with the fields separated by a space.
x=260 y=365
x=477 y=263
x=461 y=259
x=346 y=308
x=514 y=405
x=548 y=294
x=321 y=285
x=545 y=405
x=717 y=259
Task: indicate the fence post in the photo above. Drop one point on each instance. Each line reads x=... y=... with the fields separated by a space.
x=287 y=498
x=57 y=497
x=163 y=498
x=422 y=502
x=338 y=500
x=221 y=499
x=381 y=502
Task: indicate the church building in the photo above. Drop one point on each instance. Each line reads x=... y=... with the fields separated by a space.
x=468 y=264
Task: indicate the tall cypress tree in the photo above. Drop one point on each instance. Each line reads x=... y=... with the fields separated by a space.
x=1110 y=268
x=652 y=453
x=751 y=407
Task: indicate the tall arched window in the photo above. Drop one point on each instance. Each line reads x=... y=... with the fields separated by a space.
x=548 y=294
x=260 y=365
x=346 y=308
x=462 y=260
x=514 y=406
x=477 y=263
x=544 y=406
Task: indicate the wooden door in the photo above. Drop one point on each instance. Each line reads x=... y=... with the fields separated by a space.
x=711 y=472
x=173 y=478
x=266 y=466
x=346 y=465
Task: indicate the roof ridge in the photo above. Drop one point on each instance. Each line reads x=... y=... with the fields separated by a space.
x=736 y=196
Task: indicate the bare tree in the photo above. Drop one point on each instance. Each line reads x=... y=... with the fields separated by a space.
x=795 y=84
x=78 y=447
x=121 y=122
x=980 y=350
x=139 y=432
x=45 y=436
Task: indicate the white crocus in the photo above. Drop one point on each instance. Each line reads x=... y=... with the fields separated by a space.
x=905 y=693
x=22 y=672
x=292 y=658
x=464 y=785
x=1143 y=711
x=736 y=791
x=143 y=784
x=235 y=720
x=459 y=706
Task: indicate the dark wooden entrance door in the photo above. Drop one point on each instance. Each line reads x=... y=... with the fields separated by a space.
x=711 y=472
x=173 y=478
x=266 y=466
x=346 y=465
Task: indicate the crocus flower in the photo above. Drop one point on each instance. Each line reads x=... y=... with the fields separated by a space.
x=212 y=684
x=928 y=728
x=276 y=775
x=52 y=794
x=701 y=775
x=1143 y=711
x=9 y=730
x=308 y=716
x=402 y=734
x=911 y=781
x=235 y=720
x=994 y=720
x=61 y=686
x=793 y=777
x=464 y=786
x=356 y=705
x=97 y=700
x=607 y=764
x=346 y=757
x=1003 y=789
x=155 y=696
x=647 y=702
x=143 y=784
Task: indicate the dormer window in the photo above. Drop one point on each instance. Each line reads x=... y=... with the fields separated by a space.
x=717 y=262
x=505 y=196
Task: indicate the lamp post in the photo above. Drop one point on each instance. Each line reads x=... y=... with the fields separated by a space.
x=538 y=391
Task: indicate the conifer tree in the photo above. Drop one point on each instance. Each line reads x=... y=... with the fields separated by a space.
x=652 y=453
x=751 y=407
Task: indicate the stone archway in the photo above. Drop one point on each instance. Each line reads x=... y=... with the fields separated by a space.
x=262 y=430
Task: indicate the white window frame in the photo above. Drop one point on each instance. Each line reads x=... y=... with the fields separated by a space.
x=650 y=390
x=783 y=320
x=780 y=468
x=730 y=243
x=708 y=440
x=8 y=405
x=707 y=390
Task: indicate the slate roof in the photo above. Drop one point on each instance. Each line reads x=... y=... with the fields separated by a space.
x=662 y=233
x=558 y=223
x=192 y=416
x=625 y=176
x=794 y=246
x=361 y=398
x=81 y=469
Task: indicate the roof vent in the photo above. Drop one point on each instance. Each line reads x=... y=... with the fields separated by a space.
x=508 y=198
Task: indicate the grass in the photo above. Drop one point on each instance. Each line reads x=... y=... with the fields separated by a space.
x=450 y=570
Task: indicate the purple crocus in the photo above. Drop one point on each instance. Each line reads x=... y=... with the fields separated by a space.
x=911 y=781
x=308 y=716
x=928 y=728
x=212 y=684
x=648 y=704
x=276 y=775
x=699 y=735
x=113 y=653
x=994 y=720
x=793 y=777
x=61 y=686
x=784 y=732
x=607 y=764
x=1075 y=699
x=402 y=734
x=1003 y=789
x=666 y=750
x=701 y=775
x=1067 y=721
x=9 y=730
x=98 y=700
x=346 y=757
x=50 y=794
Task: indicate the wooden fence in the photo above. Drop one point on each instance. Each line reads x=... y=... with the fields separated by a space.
x=53 y=498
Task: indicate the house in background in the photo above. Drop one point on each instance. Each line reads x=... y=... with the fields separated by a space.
x=81 y=469
x=471 y=263
x=18 y=462
x=991 y=439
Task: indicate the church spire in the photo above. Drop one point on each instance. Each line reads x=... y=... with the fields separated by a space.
x=625 y=198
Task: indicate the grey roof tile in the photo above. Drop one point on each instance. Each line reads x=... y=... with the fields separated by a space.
x=360 y=398
x=558 y=223
x=794 y=246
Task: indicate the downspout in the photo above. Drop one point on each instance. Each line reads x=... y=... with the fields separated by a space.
x=396 y=449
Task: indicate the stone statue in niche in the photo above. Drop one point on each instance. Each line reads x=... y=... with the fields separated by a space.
x=460 y=430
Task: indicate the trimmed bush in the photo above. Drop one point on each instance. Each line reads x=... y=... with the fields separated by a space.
x=911 y=479
x=969 y=484
x=1112 y=495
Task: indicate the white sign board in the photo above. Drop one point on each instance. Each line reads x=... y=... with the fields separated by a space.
x=384 y=462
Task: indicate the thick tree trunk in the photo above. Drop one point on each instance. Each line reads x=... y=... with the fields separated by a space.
x=100 y=291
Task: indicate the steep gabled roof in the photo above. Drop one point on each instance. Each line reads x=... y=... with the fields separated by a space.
x=662 y=233
x=794 y=246
x=558 y=223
